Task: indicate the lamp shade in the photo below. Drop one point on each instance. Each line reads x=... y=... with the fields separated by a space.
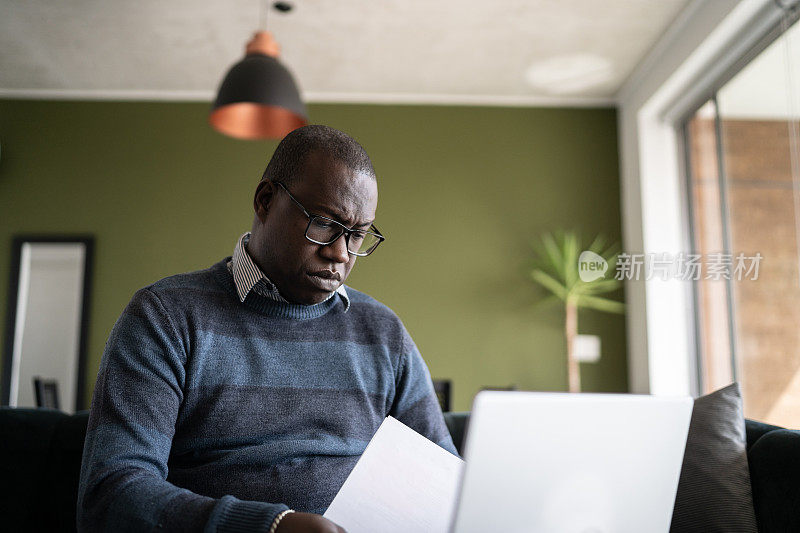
x=258 y=98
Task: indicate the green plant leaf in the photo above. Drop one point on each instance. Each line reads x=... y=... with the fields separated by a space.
x=601 y=304
x=598 y=245
x=600 y=286
x=554 y=256
x=549 y=283
x=547 y=301
x=555 y=268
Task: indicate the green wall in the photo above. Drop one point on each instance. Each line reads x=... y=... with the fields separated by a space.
x=463 y=191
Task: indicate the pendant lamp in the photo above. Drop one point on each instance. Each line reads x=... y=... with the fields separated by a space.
x=258 y=98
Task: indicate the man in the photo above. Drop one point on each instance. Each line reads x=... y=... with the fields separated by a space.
x=230 y=397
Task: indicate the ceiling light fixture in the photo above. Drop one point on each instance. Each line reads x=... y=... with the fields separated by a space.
x=258 y=98
x=570 y=74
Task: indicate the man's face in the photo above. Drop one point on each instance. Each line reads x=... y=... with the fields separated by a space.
x=305 y=272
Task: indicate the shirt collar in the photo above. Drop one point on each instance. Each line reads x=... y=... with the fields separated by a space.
x=248 y=277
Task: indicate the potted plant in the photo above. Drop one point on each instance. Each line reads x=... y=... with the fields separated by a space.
x=556 y=268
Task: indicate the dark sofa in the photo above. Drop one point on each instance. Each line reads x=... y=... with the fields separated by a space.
x=41 y=456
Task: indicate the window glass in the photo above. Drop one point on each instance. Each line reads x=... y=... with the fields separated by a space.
x=744 y=188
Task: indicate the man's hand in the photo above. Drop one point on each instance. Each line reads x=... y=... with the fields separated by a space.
x=307 y=523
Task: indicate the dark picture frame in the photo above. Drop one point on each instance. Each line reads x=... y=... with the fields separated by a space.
x=11 y=316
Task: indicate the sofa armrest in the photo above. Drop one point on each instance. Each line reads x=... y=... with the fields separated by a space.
x=457 y=425
x=774 y=461
x=755 y=430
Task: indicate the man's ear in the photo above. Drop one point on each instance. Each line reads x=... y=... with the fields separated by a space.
x=261 y=201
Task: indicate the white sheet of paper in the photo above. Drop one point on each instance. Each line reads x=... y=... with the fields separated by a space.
x=403 y=483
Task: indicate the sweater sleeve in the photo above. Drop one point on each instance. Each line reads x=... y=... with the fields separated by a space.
x=137 y=396
x=415 y=402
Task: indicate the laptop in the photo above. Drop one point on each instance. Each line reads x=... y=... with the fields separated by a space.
x=573 y=463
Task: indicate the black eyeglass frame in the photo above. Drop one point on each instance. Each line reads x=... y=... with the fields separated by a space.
x=343 y=230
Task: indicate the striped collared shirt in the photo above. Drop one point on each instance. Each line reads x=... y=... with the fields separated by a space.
x=248 y=277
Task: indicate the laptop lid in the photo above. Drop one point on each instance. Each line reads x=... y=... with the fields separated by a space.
x=578 y=463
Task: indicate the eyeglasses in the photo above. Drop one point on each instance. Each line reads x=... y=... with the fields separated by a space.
x=324 y=231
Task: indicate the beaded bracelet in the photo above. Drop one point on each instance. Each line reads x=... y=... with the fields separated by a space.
x=278 y=519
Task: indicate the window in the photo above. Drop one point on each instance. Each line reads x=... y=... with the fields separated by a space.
x=743 y=169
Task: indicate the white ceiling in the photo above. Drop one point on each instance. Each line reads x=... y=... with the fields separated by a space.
x=536 y=52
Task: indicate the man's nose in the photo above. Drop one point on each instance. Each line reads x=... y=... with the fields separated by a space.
x=337 y=250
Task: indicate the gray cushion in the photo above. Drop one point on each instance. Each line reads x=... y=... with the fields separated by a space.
x=714 y=492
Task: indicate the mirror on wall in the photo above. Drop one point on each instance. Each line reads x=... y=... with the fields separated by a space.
x=46 y=324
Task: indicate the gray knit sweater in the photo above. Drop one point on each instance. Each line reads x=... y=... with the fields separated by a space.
x=214 y=415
